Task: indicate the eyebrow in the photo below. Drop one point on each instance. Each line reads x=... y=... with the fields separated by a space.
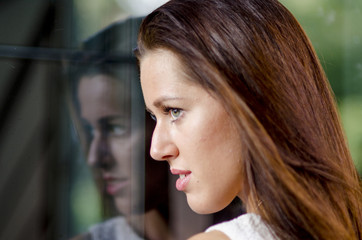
x=160 y=101
x=105 y=119
x=111 y=118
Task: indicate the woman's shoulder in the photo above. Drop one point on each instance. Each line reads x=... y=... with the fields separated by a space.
x=212 y=235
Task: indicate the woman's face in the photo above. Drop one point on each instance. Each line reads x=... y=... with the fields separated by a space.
x=193 y=133
x=105 y=113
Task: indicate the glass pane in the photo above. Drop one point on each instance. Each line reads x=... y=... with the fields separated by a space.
x=74 y=151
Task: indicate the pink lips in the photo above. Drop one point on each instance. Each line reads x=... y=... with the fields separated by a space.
x=114 y=185
x=184 y=179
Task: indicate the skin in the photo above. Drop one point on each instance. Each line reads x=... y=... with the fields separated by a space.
x=193 y=132
x=104 y=105
x=107 y=121
x=213 y=235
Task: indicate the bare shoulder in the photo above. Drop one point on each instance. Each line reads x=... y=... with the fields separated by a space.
x=213 y=235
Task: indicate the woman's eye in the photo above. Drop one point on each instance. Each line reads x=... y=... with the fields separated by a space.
x=118 y=130
x=175 y=113
x=115 y=130
x=153 y=117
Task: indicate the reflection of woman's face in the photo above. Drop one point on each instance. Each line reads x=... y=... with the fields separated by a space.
x=104 y=109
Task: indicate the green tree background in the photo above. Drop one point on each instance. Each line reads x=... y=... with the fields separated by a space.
x=334 y=27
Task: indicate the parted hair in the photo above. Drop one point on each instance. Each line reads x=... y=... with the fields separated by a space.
x=256 y=59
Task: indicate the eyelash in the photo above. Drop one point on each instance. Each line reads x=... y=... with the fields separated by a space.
x=168 y=111
x=153 y=116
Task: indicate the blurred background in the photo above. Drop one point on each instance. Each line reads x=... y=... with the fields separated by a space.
x=46 y=189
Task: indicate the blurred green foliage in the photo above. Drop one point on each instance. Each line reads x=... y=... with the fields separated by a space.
x=85 y=202
x=351 y=111
x=90 y=16
x=334 y=27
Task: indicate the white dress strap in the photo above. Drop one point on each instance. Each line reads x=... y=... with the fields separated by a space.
x=247 y=226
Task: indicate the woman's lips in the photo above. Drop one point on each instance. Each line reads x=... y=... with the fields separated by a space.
x=183 y=180
x=115 y=185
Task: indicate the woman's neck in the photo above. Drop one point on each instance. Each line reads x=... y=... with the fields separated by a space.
x=150 y=225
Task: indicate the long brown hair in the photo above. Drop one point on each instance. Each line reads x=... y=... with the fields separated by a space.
x=254 y=56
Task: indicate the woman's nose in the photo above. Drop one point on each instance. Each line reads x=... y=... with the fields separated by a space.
x=162 y=145
x=100 y=155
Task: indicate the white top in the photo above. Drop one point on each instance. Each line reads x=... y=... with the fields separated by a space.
x=246 y=226
x=113 y=229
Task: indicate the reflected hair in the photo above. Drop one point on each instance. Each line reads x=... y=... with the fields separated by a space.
x=256 y=59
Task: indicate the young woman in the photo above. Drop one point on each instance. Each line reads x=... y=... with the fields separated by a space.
x=243 y=109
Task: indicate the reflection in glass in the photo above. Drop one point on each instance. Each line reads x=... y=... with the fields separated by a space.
x=110 y=116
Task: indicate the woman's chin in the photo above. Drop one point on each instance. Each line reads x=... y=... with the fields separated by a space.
x=208 y=204
x=204 y=207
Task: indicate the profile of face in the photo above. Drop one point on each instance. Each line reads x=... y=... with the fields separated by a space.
x=105 y=113
x=193 y=133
